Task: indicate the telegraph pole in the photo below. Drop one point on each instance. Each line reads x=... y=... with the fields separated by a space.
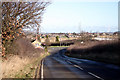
x=80 y=30
x=37 y=33
x=80 y=27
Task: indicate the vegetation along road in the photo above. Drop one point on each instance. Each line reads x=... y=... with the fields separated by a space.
x=57 y=65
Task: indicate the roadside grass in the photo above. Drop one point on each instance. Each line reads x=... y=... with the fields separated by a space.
x=16 y=67
x=29 y=71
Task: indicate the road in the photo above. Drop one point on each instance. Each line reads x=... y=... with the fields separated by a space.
x=57 y=65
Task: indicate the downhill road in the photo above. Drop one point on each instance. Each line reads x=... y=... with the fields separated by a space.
x=57 y=65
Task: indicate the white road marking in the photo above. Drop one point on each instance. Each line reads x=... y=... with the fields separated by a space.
x=78 y=67
x=42 y=70
x=88 y=72
x=69 y=62
x=95 y=75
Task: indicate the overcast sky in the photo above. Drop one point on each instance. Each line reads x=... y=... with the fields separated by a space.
x=76 y=15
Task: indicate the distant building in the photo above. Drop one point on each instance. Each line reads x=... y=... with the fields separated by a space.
x=115 y=33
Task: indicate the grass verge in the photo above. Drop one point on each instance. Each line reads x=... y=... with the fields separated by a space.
x=29 y=70
x=15 y=67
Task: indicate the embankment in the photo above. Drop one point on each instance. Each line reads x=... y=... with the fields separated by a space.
x=103 y=51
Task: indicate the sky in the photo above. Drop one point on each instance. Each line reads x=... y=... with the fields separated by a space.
x=78 y=15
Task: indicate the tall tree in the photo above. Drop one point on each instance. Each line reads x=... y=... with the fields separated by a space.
x=17 y=16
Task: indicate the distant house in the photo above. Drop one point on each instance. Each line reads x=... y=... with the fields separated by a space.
x=115 y=33
x=37 y=43
x=101 y=34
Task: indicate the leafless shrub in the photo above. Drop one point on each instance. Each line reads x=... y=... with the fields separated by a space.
x=24 y=48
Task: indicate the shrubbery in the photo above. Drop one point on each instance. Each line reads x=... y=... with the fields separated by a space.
x=57 y=38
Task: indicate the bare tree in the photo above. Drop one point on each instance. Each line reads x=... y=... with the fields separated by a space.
x=25 y=12
x=17 y=16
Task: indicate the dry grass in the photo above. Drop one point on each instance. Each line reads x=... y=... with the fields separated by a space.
x=88 y=44
x=22 y=60
x=13 y=65
x=79 y=45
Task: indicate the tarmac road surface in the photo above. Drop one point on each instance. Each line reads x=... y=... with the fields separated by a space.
x=58 y=66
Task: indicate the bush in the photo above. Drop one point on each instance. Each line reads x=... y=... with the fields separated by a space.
x=24 y=48
x=57 y=38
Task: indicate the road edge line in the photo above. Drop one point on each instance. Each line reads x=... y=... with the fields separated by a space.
x=41 y=69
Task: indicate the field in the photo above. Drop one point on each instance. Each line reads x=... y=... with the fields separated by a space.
x=53 y=39
x=104 y=51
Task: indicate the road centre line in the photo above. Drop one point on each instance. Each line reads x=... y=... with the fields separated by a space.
x=88 y=72
x=95 y=75
x=69 y=62
x=78 y=67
